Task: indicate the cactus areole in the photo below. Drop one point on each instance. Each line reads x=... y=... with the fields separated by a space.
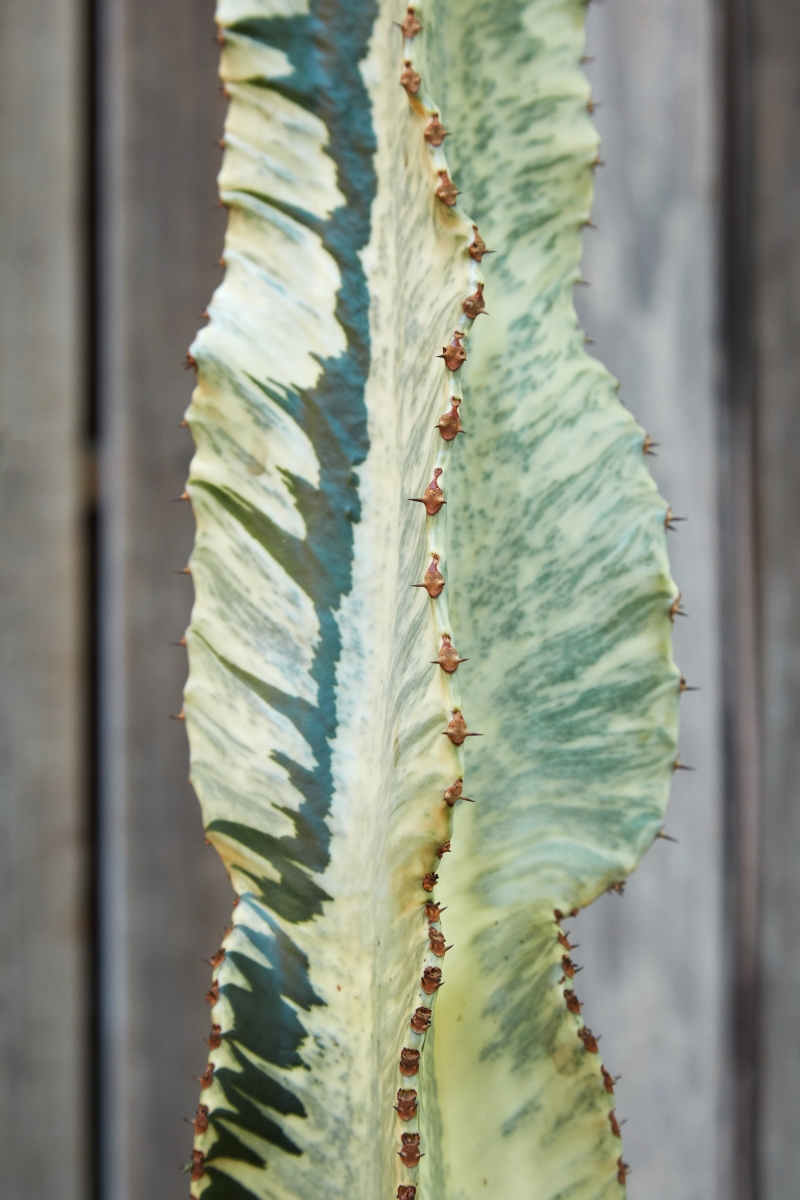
x=395 y=1013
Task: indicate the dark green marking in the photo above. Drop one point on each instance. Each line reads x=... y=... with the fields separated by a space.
x=325 y=49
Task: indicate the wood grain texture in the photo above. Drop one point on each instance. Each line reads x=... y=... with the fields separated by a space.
x=164 y=896
x=654 y=982
x=776 y=203
x=43 y=1101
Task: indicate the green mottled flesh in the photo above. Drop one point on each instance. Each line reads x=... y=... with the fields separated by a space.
x=314 y=710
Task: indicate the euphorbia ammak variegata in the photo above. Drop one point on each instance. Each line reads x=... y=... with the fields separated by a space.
x=347 y=647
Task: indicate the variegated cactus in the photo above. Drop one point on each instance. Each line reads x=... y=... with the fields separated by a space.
x=345 y=347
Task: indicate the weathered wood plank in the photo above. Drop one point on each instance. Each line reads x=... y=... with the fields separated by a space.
x=654 y=975
x=776 y=296
x=43 y=932
x=165 y=897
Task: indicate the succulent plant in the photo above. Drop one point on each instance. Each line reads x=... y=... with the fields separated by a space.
x=358 y=662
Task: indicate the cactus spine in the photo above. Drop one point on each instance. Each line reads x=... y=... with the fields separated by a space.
x=329 y=393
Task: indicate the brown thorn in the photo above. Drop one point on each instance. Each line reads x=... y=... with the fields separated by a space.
x=182 y=642
x=589 y=1040
x=410 y=25
x=573 y=1003
x=446 y=190
x=206 y=1079
x=409 y=1061
x=477 y=247
x=675 y=609
x=406 y=1107
x=450 y=424
x=679 y=766
x=683 y=686
x=421 y=1019
x=435 y=132
x=410 y=1152
x=432 y=497
x=474 y=305
x=181 y=716
x=183 y=496
x=410 y=79
x=455 y=354
x=448 y=658
x=666 y=837
x=457 y=729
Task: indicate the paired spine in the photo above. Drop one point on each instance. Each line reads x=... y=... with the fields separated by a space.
x=448 y=429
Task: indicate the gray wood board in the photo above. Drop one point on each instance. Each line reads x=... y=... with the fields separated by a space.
x=43 y=931
x=775 y=51
x=164 y=895
x=654 y=979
